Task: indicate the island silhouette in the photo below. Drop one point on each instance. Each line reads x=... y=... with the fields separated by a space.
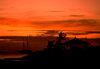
x=59 y=48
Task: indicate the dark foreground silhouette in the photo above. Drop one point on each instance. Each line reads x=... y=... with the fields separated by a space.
x=58 y=49
x=49 y=55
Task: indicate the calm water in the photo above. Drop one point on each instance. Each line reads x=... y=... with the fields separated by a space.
x=36 y=43
x=7 y=56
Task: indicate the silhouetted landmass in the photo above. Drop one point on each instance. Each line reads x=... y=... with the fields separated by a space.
x=59 y=48
x=13 y=44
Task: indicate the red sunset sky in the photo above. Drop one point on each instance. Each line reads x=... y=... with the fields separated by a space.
x=25 y=17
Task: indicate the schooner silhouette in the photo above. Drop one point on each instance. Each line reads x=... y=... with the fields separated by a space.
x=26 y=46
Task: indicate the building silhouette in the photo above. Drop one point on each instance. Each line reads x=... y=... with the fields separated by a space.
x=67 y=44
x=77 y=43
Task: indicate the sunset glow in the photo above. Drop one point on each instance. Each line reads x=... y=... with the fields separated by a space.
x=79 y=18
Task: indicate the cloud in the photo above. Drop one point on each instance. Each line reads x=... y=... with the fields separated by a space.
x=71 y=23
x=83 y=33
x=12 y=22
x=1 y=9
x=72 y=33
x=88 y=22
x=55 y=11
x=56 y=32
x=93 y=32
x=11 y=19
x=51 y=32
x=68 y=32
x=2 y=18
x=76 y=15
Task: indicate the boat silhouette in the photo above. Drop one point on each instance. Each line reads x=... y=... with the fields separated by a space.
x=26 y=46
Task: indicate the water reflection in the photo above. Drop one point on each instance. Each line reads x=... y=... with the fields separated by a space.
x=7 y=56
x=5 y=39
x=12 y=40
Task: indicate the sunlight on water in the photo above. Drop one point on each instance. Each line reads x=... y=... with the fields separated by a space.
x=7 y=56
x=5 y=39
x=11 y=40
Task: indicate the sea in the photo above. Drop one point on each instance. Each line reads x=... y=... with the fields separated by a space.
x=8 y=56
x=15 y=44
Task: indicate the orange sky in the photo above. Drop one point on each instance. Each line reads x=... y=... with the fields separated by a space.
x=24 y=17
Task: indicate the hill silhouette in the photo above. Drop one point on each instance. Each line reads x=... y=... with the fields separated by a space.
x=60 y=47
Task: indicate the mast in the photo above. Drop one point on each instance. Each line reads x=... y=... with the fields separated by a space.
x=23 y=44
x=27 y=42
